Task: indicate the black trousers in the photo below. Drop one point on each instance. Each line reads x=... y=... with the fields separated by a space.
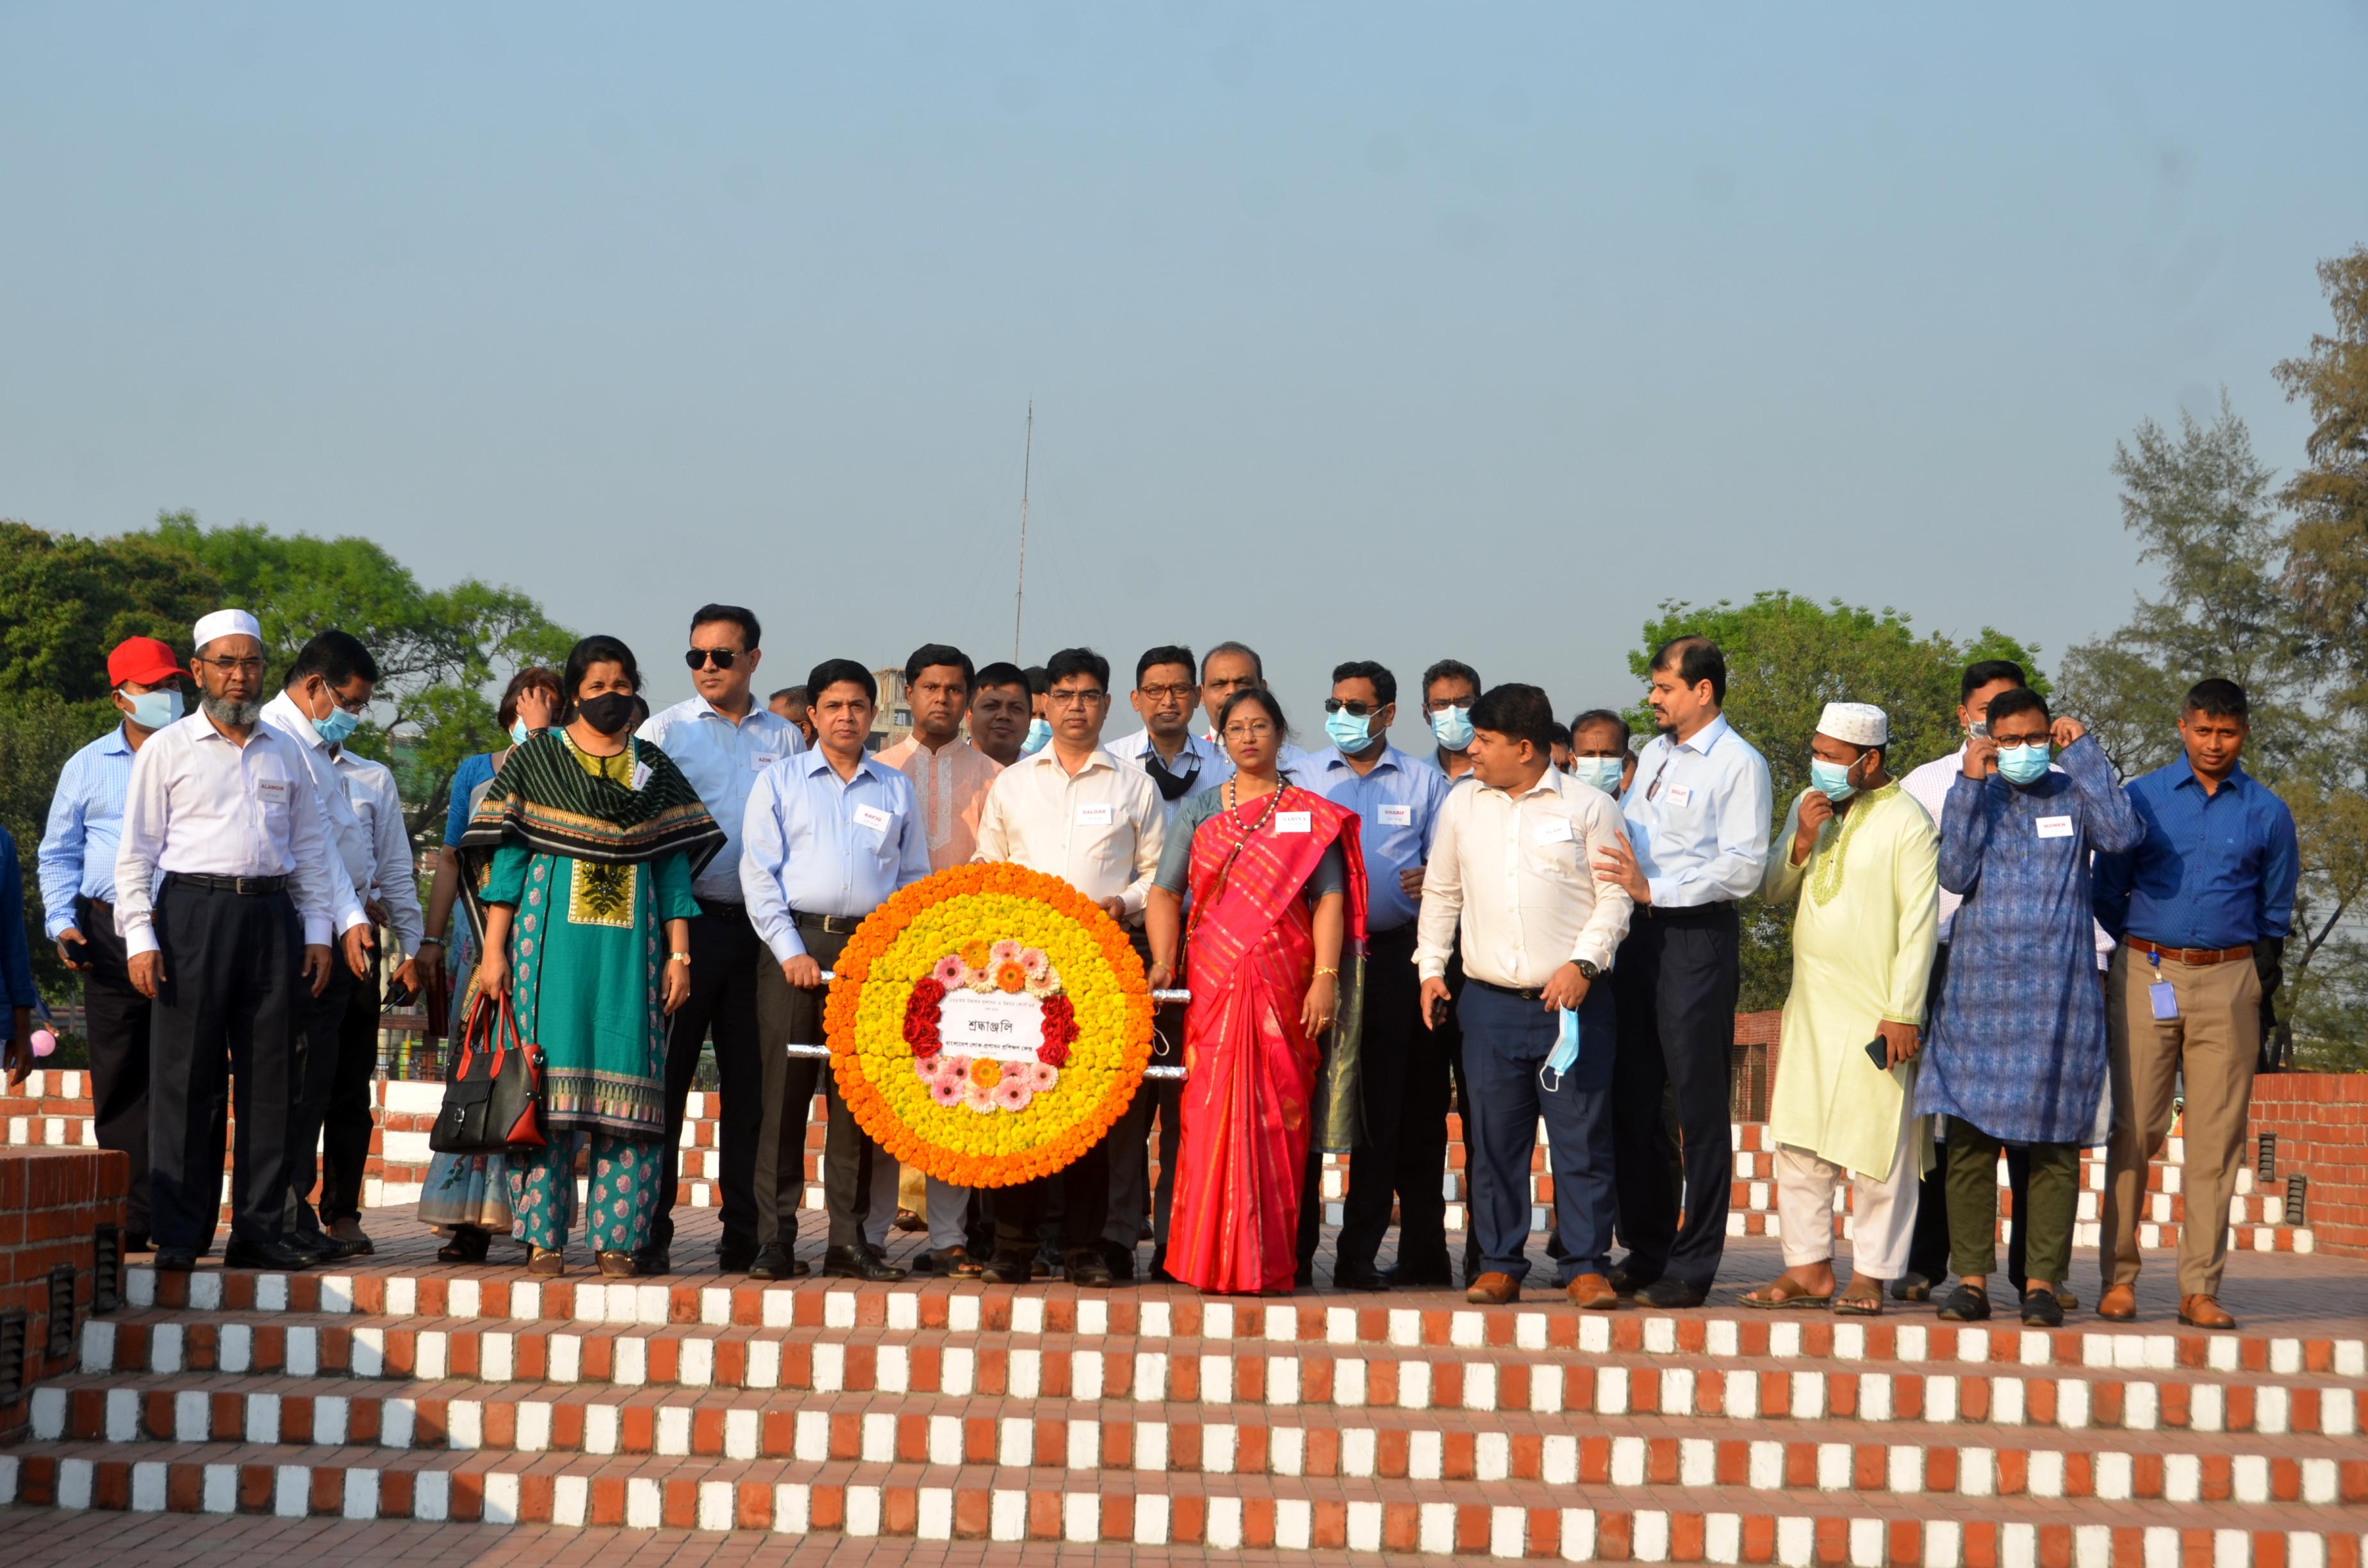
x=793 y=1014
x=1676 y=982
x=1129 y=1136
x=1434 y=1090
x=313 y=1079
x=116 y=1022
x=1394 y=1162
x=229 y=1007
x=726 y=960
x=346 y=1128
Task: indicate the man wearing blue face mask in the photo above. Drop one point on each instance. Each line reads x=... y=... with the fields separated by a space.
x=1598 y=751
x=319 y=707
x=77 y=876
x=2016 y=1048
x=1449 y=689
x=1396 y=799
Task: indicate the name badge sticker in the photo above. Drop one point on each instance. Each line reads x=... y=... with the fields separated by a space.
x=1294 y=822
x=641 y=775
x=2055 y=827
x=1552 y=830
x=1397 y=816
x=1682 y=795
x=871 y=817
x=1094 y=816
x=272 y=791
x=762 y=760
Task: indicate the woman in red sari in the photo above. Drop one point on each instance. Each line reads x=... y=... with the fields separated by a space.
x=1278 y=887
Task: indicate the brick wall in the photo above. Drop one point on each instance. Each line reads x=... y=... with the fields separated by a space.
x=53 y=1202
x=2321 y=1121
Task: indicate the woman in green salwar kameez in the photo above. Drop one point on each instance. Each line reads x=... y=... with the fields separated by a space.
x=582 y=855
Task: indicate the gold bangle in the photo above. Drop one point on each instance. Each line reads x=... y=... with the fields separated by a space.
x=678 y=957
x=1334 y=972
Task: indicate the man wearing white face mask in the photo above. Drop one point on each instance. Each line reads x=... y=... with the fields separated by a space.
x=77 y=876
x=1449 y=689
x=1860 y=859
x=320 y=706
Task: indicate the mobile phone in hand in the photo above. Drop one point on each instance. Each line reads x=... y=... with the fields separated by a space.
x=398 y=995
x=76 y=949
x=1438 y=1011
x=1878 y=1051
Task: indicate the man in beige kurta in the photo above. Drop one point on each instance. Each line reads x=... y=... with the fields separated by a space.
x=1860 y=857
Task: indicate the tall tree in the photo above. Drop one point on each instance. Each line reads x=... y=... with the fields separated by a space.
x=2327 y=560
x=1786 y=658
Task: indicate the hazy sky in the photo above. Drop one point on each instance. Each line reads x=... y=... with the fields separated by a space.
x=1354 y=332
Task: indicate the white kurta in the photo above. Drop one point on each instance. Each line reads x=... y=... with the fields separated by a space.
x=1862 y=947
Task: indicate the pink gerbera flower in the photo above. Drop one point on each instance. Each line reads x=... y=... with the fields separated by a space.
x=1042 y=1075
x=945 y=1092
x=978 y=1099
x=951 y=973
x=1034 y=961
x=1003 y=952
x=1013 y=1094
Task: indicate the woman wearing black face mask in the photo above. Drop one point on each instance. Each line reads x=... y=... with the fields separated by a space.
x=581 y=857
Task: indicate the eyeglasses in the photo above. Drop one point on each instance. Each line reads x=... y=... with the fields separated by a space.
x=1075 y=698
x=1429 y=707
x=1158 y=693
x=1256 y=730
x=722 y=658
x=1354 y=709
x=227 y=667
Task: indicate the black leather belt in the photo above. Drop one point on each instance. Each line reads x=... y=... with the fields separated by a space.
x=246 y=887
x=1526 y=992
x=1678 y=911
x=830 y=925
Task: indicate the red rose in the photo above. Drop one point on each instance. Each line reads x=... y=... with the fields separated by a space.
x=927 y=992
x=1054 y=1052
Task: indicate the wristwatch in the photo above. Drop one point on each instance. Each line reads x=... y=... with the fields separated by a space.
x=1587 y=968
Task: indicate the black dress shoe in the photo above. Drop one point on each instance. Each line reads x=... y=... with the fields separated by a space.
x=1422 y=1276
x=176 y=1260
x=312 y=1243
x=1303 y=1278
x=652 y=1262
x=1009 y=1269
x=1666 y=1293
x=773 y=1262
x=858 y=1263
x=733 y=1257
x=337 y=1249
x=1120 y=1261
x=1628 y=1284
x=1358 y=1277
x=277 y=1257
x=1046 y=1264
x=1084 y=1267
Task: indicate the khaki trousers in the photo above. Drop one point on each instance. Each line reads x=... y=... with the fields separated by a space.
x=2215 y=1042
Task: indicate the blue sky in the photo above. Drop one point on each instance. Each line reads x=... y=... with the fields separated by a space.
x=1353 y=332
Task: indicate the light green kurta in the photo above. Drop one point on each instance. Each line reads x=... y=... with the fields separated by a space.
x=1861 y=953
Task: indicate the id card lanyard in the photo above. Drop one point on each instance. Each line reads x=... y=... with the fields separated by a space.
x=2165 y=995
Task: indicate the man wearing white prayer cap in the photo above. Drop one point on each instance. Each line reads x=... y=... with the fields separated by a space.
x=1863 y=860
x=226 y=905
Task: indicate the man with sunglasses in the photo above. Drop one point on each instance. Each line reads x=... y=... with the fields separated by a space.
x=721 y=738
x=227 y=892
x=319 y=707
x=1396 y=800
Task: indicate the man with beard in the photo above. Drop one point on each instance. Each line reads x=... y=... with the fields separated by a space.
x=231 y=948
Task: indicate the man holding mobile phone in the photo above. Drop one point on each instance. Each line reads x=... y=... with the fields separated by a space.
x=1860 y=859
x=76 y=866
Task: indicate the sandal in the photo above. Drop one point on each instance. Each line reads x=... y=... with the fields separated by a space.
x=1855 y=1302
x=1966 y=1303
x=956 y=1263
x=545 y=1263
x=1783 y=1295
x=468 y=1245
x=616 y=1265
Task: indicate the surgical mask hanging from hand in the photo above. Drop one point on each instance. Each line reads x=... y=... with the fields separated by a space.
x=154 y=710
x=1831 y=779
x=1350 y=732
x=1564 y=1056
x=1603 y=772
x=2023 y=765
x=1451 y=727
x=1039 y=735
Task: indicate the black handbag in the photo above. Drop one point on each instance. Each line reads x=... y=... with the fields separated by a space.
x=493 y=1101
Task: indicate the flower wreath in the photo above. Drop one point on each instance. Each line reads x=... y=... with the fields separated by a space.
x=1047 y=1006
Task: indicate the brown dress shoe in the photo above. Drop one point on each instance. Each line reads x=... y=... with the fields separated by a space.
x=1493 y=1290
x=2202 y=1311
x=2120 y=1304
x=1594 y=1292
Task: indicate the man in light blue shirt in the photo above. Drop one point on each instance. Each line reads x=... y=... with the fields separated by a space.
x=1178 y=761
x=1698 y=825
x=723 y=739
x=829 y=837
x=1402 y=1154
x=76 y=869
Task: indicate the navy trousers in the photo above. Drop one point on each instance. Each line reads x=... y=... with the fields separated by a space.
x=1506 y=1041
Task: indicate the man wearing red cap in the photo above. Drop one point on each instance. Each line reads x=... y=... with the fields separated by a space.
x=77 y=876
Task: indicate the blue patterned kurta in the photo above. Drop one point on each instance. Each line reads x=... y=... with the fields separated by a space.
x=2017 y=1043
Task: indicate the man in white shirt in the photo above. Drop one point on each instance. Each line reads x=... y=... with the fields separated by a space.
x=1075 y=811
x=723 y=739
x=1698 y=825
x=1225 y=669
x=319 y=707
x=392 y=902
x=228 y=899
x=1510 y=873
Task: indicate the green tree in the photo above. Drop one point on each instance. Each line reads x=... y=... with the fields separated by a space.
x=2327 y=560
x=65 y=601
x=437 y=650
x=1786 y=658
x=2203 y=509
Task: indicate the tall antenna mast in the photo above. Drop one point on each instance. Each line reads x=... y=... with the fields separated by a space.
x=1020 y=599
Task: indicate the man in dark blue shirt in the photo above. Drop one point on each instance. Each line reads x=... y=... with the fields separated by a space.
x=2200 y=909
